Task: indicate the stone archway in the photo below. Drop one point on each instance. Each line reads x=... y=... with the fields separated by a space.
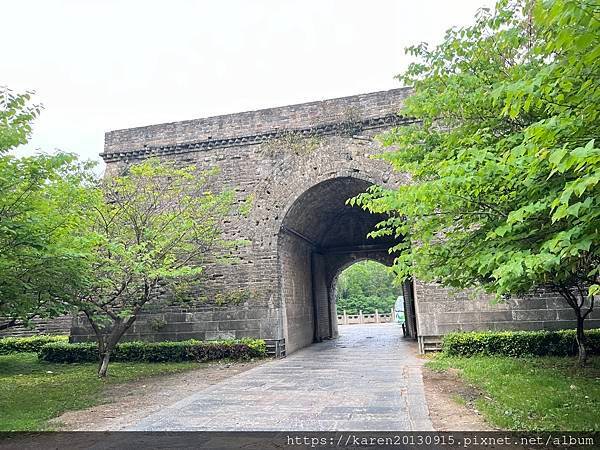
x=319 y=236
x=299 y=230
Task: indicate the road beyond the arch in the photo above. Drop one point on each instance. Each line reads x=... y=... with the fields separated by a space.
x=368 y=379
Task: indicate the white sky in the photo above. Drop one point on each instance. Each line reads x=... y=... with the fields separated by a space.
x=99 y=65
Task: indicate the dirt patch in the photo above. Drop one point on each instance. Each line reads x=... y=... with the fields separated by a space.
x=128 y=403
x=451 y=402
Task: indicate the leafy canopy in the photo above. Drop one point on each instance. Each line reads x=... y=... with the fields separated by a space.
x=42 y=208
x=506 y=160
x=153 y=227
x=366 y=286
x=16 y=116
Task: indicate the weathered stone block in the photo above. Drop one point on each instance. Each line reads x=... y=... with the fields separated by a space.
x=215 y=335
x=239 y=334
x=496 y=316
x=565 y=314
x=530 y=303
x=534 y=315
x=205 y=326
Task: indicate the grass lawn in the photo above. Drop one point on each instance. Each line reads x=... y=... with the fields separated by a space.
x=533 y=394
x=31 y=391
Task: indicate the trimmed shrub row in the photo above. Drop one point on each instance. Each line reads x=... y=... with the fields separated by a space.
x=31 y=344
x=192 y=350
x=518 y=343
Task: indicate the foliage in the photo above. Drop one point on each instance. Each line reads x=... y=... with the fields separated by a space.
x=232 y=297
x=537 y=394
x=31 y=344
x=291 y=142
x=16 y=116
x=366 y=286
x=518 y=343
x=176 y=351
x=42 y=209
x=33 y=391
x=302 y=142
x=505 y=163
x=106 y=248
x=154 y=227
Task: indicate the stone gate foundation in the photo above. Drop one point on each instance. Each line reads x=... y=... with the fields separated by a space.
x=299 y=164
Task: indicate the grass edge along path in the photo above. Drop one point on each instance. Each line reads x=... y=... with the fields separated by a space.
x=531 y=394
x=33 y=392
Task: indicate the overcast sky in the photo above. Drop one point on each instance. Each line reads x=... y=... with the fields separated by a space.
x=104 y=65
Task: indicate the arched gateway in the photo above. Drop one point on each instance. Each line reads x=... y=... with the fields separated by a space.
x=319 y=236
x=299 y=164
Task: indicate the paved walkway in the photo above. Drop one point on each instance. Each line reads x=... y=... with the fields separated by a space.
x=368 y=379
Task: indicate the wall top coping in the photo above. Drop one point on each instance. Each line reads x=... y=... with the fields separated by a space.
x=372 y=110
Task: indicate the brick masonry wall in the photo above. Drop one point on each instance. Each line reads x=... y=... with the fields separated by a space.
x=296 y=292
x=58 y=325
x=275 y=281
x=239 y=125
x=321 y=292
x=442 y=310
x=300 y=185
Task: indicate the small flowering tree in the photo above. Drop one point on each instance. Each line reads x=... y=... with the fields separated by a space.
x=153 y=228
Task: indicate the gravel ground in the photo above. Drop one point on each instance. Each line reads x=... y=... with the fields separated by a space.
x=451 y=402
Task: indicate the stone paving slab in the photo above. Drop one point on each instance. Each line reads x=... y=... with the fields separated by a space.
x=367 y=379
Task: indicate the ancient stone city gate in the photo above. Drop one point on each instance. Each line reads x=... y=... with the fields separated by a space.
x=299 y=164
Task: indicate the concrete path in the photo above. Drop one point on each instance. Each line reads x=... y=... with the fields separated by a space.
x=368 y=379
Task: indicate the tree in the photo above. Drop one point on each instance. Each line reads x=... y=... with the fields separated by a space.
x=154 y=228
x=41 y=208
x=366 y=286
x=505 y=163
x=16 y=116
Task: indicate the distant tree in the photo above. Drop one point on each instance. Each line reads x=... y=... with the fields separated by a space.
x=366 y=286
x=154 y=227
x=42 y=204
x=505 y=162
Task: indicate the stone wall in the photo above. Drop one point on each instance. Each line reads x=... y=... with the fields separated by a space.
x=253 y=127
x=58 y=325
x=321 y=297
x=441 y=310
x=276 y=157
x=179 y=323
x=299 y=164
x=296 y=292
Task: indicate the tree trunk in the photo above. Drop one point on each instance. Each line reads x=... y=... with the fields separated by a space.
x=578 y=304
x=102 y=370
x=581 y=350
x=110 y=342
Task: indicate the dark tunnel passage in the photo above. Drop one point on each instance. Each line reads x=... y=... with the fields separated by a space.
x=320 y=236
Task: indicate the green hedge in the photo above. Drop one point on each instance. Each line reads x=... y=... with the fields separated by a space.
x=191 y=350
x=518 y=343
x=31 y=344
